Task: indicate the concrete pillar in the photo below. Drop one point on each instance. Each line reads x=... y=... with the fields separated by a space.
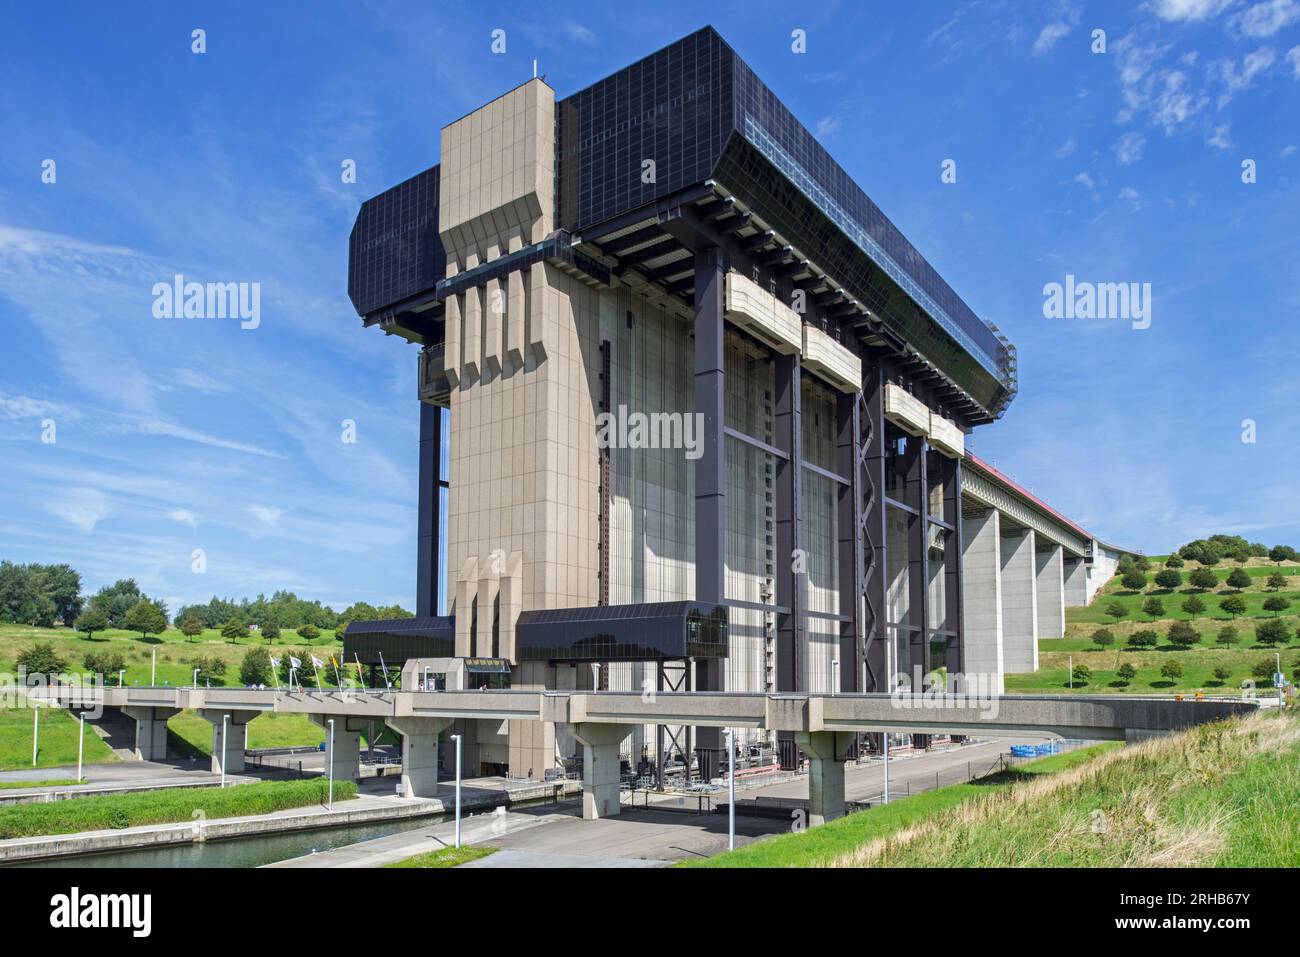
x=1075 y=578
x=347 y=745
x=150 y=731
x=600 y=767
x=826 y=751
x=420 y=753
x=1019 y=602
x=1049 y=582
x=982 y=596
x=228 y=737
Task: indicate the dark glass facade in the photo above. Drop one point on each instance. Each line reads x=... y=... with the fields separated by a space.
x=660 y=631
x=395 y=252
x=399 y=639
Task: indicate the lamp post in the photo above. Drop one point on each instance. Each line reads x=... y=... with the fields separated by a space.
x=81 y=745
x=835 y=676
x=120 y=675
x=36 y=730
x=196 y=679
x=331 y=764
x=456 y=738
x=153 y=670
x=225 y=719
x=885 y=738
x=1071 y=672
x=730 y=737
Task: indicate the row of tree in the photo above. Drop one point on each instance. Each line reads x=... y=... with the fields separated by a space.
x=1203 y=578
x=1195 y=606
x=1218 y=548
x=1182 y=634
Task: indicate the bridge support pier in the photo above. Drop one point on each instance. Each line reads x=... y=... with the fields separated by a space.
x=1019 y=602
x=150 y=731
x=419 y=753
x=347 y=745
x=228 y=738
x=827 y=752
x=600 y=767
x=1049 y=582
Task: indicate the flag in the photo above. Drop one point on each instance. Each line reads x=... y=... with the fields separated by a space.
x=294 y=662
x=275 y=662
x=316 y=662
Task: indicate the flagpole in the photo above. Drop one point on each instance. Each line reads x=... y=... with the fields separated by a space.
x=383 y=667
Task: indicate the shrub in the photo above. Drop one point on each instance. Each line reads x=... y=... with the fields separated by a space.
x=1168 y=578
x=1082 y=673
x=41 y=659
x=1222 y=672
x=1134 y=580
x=210 y=668
x=256 y=667
x=1204 y=579
x=104 y=662
x=1173 y=561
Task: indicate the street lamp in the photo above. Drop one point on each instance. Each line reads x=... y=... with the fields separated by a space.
x=331 y=764
x=196 y=679
x=456 y=738
x=81 y=745
x=730 y=737
x=121 y=673
x=36 y=730
x=153 y=670
x=225 y=720
x=885 y=737
x=835 y=676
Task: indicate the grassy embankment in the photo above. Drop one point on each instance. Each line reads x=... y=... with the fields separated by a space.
x=819 y=846
x=165 y=807
x=1218 y=795
x=58 y=740
x=445 y=857
x=1198 y=662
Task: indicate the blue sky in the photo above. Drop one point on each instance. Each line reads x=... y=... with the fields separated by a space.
x=1123 y=166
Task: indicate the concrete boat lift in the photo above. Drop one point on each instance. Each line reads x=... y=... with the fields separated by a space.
x=823 y=725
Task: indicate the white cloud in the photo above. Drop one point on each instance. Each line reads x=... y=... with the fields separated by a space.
x=1190 y=9
x=1133 y=198
x=1220 y=137
x=266 y=514
x=25 y=407
x=1129 y=147
x=1236 y=80
x=1083 y=179
x=1048 y=37
x=1266 y=19
x=1066 y=149
x=1293 y=57
x=1288 y=150
x=827 y=127
x=81 y=507
x=1163 y=94
x=183 y=516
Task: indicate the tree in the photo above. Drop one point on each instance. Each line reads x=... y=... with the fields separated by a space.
x=232 y=629
x=1116 y=610
x=256 y=667
x=309 y=633
x=1134 y=580
x=1183 y=635
x=1173 y=561
x=1142 y=563
x=1234 y=605
x=1273 y=631
x=146 y=618
x=1276 y=604
x=92 y=620
x=1276 y=580
x=1126 y=672
x=1281 y=553
x=1228 y=636
x=1082 y=674
x=1171 y=669
x=1204 y=579
x=1103 y=638
x=1239 y=579
x=63 y=586
x=104 y=662
x=1194 y=606
x=1263 y=671
x=1223 y=673
x=191 y=627
x=1143 y=639
x=210 y=668
x=1154 y=607
x=271 y=632
x=41 y=659
x=1168 y=578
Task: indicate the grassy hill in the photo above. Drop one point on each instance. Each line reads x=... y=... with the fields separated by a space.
x=1198 y=663
x=1219 y=795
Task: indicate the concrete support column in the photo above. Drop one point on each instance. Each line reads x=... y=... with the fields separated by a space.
x=150 y=731
x=347 y=745
x=1075 y=578
x=600 y=767
x=419 y=753
x=1019 y=602
x=228 y=737
x=982 y=596
x=1050 y=583
x=826 y=751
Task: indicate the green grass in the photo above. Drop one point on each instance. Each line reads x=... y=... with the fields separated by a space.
x=445 y=857
x=189 y=734
x=48 y=783
x=59 y=732
x=1218 y=795
x=820 y=845
x=165 y=807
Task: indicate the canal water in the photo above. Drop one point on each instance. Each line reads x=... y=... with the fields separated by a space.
x=245 y=851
